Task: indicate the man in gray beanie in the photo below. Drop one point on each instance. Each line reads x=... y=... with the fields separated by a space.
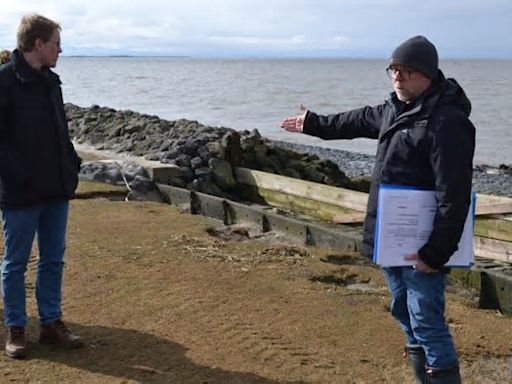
x=425 y=141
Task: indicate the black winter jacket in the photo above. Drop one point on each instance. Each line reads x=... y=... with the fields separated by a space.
x=428 y=144
x=38 y=163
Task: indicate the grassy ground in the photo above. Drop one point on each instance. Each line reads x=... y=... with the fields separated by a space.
x=161 y=300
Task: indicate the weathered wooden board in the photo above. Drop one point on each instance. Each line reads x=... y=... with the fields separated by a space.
x=296 y=204
x=493 y=249
x=340 y=197
x=493 y=228
x=349 y=218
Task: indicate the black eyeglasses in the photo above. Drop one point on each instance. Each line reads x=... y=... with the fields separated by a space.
x=405 y=72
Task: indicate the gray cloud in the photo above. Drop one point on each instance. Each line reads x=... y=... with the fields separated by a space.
x=365 y=28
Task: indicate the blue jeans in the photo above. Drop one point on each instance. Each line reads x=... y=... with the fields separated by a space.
x=418 y=305
x=20 y=226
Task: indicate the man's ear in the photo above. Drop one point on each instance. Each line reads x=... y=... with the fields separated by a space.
x=38 y=44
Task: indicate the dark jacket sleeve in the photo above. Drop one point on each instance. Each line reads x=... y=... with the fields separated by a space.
x=452 y=162
x=362 y=122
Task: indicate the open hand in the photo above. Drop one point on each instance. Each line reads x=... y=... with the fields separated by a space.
x=295 y=123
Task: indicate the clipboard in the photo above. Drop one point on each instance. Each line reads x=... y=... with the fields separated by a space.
x=405 y=218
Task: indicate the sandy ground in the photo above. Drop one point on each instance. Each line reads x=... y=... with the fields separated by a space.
x=161 y=298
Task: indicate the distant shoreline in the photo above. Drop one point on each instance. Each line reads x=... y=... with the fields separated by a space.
x=276 y=58
x=123 y=57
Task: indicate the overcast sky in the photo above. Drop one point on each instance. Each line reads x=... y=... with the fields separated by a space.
x=263 y=28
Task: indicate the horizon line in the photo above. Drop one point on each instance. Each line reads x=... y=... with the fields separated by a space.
x=265 y=57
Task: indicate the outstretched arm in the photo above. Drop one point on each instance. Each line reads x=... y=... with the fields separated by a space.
x=362 y=122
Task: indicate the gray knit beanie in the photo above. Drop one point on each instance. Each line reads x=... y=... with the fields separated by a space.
x=417 y=53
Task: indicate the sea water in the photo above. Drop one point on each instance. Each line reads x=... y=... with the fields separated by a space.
x=259 y=93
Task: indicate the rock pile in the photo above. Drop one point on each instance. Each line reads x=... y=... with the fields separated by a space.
x=121 y=172
x=204 y=154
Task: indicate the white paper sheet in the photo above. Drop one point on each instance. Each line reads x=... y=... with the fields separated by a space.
x=404 y=223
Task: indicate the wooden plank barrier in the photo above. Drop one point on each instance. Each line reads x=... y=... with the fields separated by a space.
x=493 y=224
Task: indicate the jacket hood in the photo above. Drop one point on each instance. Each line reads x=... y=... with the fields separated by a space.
x=452 y=93
x=442 y=92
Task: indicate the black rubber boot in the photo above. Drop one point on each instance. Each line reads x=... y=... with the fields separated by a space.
x=416 y=356
x=443 y=376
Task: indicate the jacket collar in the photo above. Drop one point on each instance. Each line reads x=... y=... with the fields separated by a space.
x=425 y=102
x=26 y=74
x=420 y=108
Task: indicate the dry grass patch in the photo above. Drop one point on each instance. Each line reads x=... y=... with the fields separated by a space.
x=161 y=300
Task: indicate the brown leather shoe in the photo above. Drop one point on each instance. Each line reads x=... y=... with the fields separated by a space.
x=16 y=344
x=58 y=334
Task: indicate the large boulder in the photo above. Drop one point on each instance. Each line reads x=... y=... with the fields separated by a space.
x=222 y=173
